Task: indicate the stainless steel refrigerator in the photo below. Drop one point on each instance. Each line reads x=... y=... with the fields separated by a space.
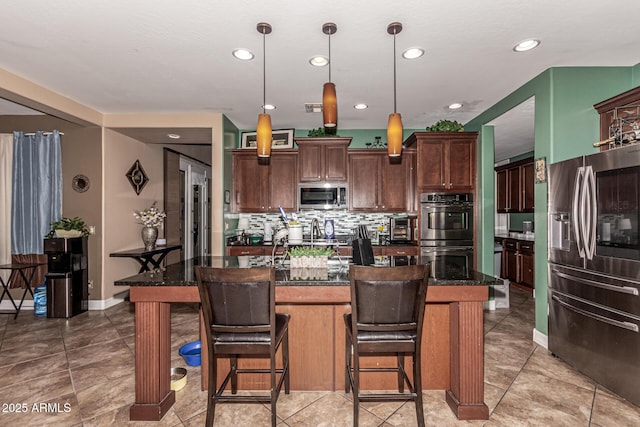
x=594 y=267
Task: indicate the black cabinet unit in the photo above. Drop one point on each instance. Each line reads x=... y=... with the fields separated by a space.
x=67 y=279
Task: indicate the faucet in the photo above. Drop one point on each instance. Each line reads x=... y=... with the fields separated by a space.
x=315 y=229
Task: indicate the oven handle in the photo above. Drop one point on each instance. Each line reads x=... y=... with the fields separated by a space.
x=622 y=289
x=625 y=325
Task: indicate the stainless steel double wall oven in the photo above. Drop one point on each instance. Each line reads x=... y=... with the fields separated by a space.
x=594 y=267
x=446 y=233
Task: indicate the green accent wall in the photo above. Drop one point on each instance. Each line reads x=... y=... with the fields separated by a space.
x=566 y=125
x=360 y=136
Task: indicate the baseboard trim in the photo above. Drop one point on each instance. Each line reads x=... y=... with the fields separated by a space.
x=540 y=339
x=489 y=305
x=7 y=308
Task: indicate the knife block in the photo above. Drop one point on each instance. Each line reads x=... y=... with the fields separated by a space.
x=362 y=252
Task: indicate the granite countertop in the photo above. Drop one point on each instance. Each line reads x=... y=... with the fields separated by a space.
x=183 y=273
x=529 y=237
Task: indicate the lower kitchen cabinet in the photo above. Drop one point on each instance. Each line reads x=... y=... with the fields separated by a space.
x=525 y=251
x=518 y=263
x=257 y=250
x=509 y=260
x=401 y=250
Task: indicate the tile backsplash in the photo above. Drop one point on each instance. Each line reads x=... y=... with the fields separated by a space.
x=344 y=222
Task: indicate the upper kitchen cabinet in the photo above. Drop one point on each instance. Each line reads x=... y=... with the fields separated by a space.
x=322 y=159
x=379 y=184
x=515 y=182
x=257 y=189
x=618 y=115
x=446 y=161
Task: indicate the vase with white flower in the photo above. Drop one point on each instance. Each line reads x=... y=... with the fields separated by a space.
x=151 y=218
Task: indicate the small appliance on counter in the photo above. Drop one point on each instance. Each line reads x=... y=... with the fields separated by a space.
x=400 y=230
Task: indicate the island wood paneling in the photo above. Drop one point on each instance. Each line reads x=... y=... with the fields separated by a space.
x=452 y=345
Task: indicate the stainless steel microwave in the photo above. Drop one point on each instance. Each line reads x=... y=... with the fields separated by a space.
x=322 y=196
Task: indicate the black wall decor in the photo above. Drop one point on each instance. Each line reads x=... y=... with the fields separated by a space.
x=137 y=177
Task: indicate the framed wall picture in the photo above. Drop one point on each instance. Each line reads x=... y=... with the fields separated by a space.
x=282 y=138
x=541 y=170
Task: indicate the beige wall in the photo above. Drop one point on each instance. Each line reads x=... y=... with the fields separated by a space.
x=81 y=154
x=122 y=231
x=105 y=156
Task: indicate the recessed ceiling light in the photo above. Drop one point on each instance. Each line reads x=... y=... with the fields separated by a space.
x=525 y=45
x=319 y=61
x=455 y=106
x=413 y=53
x=361 y=106
x=269 y=107
x=173 y=135
x=243 y=54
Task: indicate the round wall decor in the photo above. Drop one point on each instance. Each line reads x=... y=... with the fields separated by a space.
x=80 y=183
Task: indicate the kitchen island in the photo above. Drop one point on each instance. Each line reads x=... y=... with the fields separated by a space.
x=452 y=341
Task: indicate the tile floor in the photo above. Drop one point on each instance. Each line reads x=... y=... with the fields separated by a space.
x=79 y=372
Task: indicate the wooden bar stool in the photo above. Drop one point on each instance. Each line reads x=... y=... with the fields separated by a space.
x=240 y=319
x=387 y=312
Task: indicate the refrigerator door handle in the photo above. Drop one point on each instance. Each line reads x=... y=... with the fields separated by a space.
x=590 y=221
x=625 y=325
x=577 y=211
x=623 y=289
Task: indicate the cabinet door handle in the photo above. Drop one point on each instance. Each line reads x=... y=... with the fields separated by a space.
x=237 y=197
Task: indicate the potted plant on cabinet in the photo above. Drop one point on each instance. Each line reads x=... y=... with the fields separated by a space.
x=68 y=227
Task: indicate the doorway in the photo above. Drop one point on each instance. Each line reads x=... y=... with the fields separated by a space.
x=195 y=208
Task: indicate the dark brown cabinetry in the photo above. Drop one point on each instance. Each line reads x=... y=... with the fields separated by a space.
x=526 y=262
x=518 y=262
x=400 y=250
x=378 y=183
x=446 y=161
x=258 y=250
x=515 y=192
x=257 y=188
x=611 y=109
x=322 y=159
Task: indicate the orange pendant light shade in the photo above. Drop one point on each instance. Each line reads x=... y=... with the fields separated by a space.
x=264 y=135
x=394 y=135
x=330 y=105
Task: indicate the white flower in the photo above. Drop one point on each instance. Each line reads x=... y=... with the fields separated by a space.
x=151 y=217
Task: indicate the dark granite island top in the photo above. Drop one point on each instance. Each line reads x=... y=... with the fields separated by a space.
x=183 y=273
x=452 y=344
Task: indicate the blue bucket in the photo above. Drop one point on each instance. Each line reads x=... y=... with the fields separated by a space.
x=191 y=353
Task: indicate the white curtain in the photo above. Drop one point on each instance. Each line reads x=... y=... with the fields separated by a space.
x=6 y=158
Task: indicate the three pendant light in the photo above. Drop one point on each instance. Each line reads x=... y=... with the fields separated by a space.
x=329 y=98
x=394 y=127
x=264 y=134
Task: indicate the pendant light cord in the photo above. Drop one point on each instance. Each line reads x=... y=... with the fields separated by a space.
x=394 y=73
x=329 y=57
x=264 y=74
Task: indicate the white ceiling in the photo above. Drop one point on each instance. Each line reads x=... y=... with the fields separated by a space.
x=167 y=56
